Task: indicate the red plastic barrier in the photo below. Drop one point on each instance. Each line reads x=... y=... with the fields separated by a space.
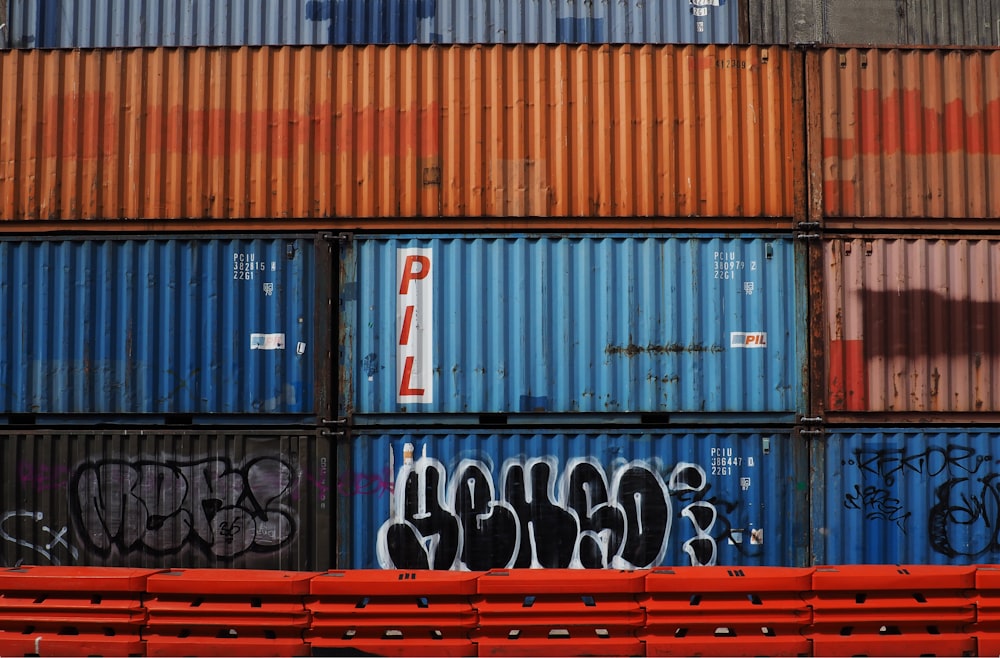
x=559 y=612
x=886 y=610
x=392 y=613
x=227 y=612
x=987 y=627
x=719 y=611
x=72 y=611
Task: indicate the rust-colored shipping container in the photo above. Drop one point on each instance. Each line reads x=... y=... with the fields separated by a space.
x=909 y=328
x=904 y=138
x=345 y=136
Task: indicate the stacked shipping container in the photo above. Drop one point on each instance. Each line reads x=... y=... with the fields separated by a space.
x=592 y=303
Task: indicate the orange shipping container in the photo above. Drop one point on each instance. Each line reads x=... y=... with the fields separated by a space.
x=306 y=134
x=903 y=136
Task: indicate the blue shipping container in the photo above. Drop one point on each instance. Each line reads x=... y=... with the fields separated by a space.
x=906 y=495
x=545 y=499
x=595 y=324
x=134 y=23
x=144 y=328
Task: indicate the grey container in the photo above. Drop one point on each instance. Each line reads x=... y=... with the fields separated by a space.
x=184 y=499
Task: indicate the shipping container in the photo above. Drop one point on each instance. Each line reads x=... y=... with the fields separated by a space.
x=875 y=22
x=688 y=325
x=909 y=328
x=311 y=137
x=167 y=499
x=145 y=23
x=175 y=329
x=481 y=499
x=904 y=139
x=906 y=495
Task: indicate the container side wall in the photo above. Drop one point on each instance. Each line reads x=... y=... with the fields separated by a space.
x=167 y=500
x=910 y=325
x=875 y=22
x=910 y=495
x=591 y=324
x=293 y=134
x=104 y=327
x=909 y=134
x=563 y=499
x=146 y=23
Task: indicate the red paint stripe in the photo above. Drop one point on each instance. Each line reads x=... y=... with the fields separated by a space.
x=848 y=376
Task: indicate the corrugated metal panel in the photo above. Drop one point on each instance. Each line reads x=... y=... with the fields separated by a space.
x=907 y=134
x=502 y=131
x=120 y=23
x=110 y=327
x=913 y=495
x=167 y=499
x=911 y=325
x=875 y=22
x=545 y=499
x=586 y=324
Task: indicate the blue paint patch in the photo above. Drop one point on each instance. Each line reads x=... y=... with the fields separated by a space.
x=534 y=403
x=370 y=364
x=581 y=30
x=373 y=21
x=49 y=24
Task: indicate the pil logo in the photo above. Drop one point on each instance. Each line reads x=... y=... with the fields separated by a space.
x=415 y=325
x=747 y=339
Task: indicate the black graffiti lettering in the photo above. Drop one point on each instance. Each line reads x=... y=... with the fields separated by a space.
x=887 y=464
x=490 y=527
x=642 y=495
x=602 y=523
x=161 y=508
x=424 y=514
x=545 y=524
x=963 y=524
x=538 y=519
x=878 y=504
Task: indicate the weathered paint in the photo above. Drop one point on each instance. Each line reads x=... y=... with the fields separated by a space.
x=146 y=23
x=910 y=325
x=161 y=499
x=447 y=499
x=906 y=495
x=154 y=137
x=905 y=135
x=145 y=329
x=610 y=323
x=875 y=22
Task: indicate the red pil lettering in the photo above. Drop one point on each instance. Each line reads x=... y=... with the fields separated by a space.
x=404 y=385
x=410 y=275
x=404 y=334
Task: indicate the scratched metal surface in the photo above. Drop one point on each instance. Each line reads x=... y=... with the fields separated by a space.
x=112 y=328
x=133 y=23
x=159 y=499
x=606 y=323
x=906 y=495
x=548 y=498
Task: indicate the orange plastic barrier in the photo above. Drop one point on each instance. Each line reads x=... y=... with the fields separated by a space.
x=987 y=627
x=886 y=610
x=559 y=612
x=392 y=613
x=227 y=612
x=72 y=611
x=719 y=611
